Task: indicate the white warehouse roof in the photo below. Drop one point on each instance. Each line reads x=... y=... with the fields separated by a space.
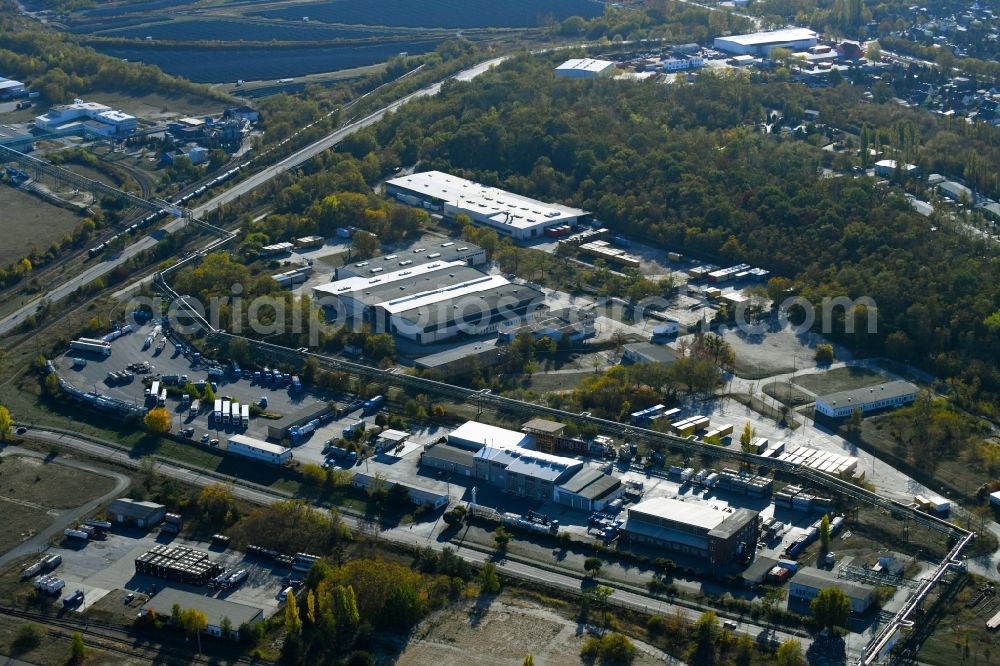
x=500 y=206
x=258 y=444
x=488 y=435
x=772 y=37
x=585 y=65
x=352 y=284
x=689 y=513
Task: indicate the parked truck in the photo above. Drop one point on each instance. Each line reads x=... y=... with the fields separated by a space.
x=217 y=412
x=195 y=408
x=162 y=400
x=373 y=404
x=90 y=345
x=154 y=390
x=234 y=413
x=296 y=383
x=245 y=415
x=225 y=411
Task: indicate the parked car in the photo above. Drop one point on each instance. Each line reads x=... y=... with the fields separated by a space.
x=204 y=438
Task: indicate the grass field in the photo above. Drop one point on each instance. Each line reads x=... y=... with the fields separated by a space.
x=839 y=379
x=29 y=221
x=49 y=485
x=53 y=649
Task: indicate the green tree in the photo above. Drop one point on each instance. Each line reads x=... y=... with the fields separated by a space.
x=705 y=635
x=789 y=653
x=77 y=650
x=364 y=245
x=175 y=616
x=529 y=661
x=824 y=354
x=293 y=623
x=592 y=565
x=824 y=532
x=746 y=438
x=6 y=422
x=28 y=637
x=857 y=417
x=194 y=622
x=226 y=626
x=489 y=581
x=347 y=607
x=501 y=538
x=831 y=608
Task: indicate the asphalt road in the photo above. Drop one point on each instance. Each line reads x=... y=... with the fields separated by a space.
x=294 y=160
x=63 y=517
x=403 y=535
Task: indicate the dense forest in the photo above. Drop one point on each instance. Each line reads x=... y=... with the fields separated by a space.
x=687 y=168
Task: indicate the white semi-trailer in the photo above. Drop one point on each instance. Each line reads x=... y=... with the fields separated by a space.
x=217 y=412
x=89 y=345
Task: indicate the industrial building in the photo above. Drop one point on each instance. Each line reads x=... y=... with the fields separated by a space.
x=177 y=563
x=576 y=324
x=843 y=403
x=11 y=88
x=887 y=168
x=419 y=254
x=127 y=511
x=465 y=358
x=473 y=436
x=215 y=609
x=431 y=302
x=761 y=43
x=521 y=218
x=585 y=68
x=258 y=449
x=502 y=458
x=807 y=583
x=694 y=529
x=420 y=491
x=96 y=117
x=647 y=352
x=279 y=428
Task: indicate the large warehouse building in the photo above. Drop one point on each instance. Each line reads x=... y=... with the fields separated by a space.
x=513 y=215
x=693 y=529
x=585 y=68
x=761 y=43
x=430 y=302
x=872 y=398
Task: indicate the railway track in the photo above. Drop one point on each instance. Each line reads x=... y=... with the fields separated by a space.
x=116 y=640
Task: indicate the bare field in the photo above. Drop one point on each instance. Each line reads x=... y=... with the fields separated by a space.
x=49 y=486
x=503 y=631
x=159 y=107
x=29 y=221
x=20 y=523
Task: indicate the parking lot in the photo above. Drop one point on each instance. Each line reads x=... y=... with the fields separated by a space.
x=102 y=566
x=129 y=350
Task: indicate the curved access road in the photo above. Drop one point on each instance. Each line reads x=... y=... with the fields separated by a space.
x=63 y=517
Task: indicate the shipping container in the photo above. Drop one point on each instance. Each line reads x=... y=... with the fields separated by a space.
x=96 y=346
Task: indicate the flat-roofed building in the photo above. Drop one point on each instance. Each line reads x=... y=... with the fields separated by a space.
x=761 y=43
x=418 y=254
x=694 y=529
x=524 y=472
x=258 y=449
x=449 y=458
x=807 y=583
x=648 y=352
x=473 y=435
x=513 y=215
x=585 y=68
x=11 y=88
x=114 y=122
x=216 y=610
x=127 y=511
x=431 y=302
x=589 y=489
x=872 y=398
